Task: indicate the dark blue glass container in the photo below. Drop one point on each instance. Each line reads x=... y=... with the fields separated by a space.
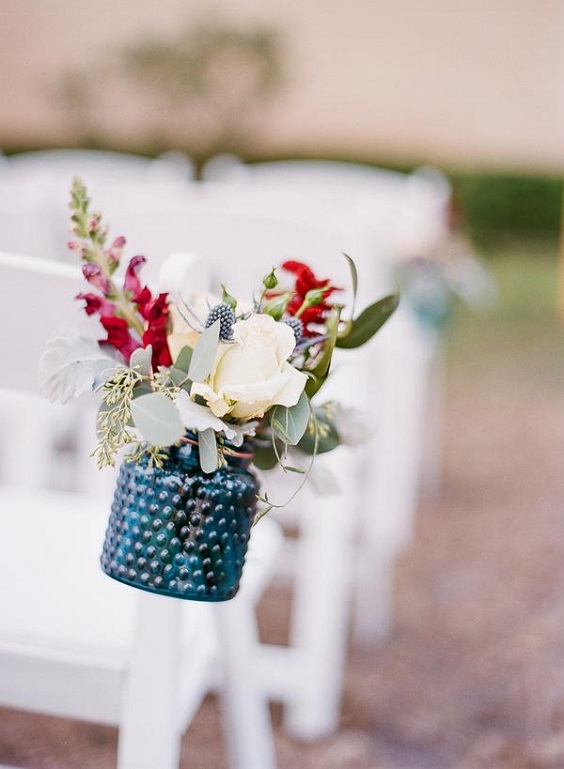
x=179 y=532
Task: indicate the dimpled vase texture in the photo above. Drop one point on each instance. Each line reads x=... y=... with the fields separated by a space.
x=179 y=532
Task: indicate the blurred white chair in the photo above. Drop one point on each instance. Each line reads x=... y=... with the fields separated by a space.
x=73 y=642
x=47 y=175
x=100 y=166
x=404 y=216
x=25 y=218
x=240 y=246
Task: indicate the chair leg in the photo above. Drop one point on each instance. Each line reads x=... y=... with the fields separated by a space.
x=374 y=609
x=434 y=423
x=246 y=715
x=149 y=735
x=320 y=616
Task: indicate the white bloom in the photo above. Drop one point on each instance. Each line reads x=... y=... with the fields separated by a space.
x=196 y=417
x=252 y=373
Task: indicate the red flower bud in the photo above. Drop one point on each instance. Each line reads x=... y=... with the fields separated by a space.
x=95 y=276
x=94 y=222
x=115 y=251
x=97 y=304
x=132 y=284
x=307 y=281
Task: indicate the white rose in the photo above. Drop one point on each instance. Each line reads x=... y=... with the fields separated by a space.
x=252 y=373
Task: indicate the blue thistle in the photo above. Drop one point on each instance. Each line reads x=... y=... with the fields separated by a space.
x=226 y=317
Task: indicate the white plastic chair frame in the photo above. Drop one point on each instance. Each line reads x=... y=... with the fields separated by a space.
x=240 y=246
x=113 y=650
x=404 y=216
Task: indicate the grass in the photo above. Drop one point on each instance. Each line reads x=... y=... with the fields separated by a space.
x=521 y=335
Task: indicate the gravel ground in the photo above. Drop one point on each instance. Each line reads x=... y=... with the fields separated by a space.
x=473 y=676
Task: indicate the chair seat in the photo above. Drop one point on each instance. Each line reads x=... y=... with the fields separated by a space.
x=50 y=575
x=59 y=609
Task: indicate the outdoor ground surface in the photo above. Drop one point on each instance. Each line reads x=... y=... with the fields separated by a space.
x=473 y=675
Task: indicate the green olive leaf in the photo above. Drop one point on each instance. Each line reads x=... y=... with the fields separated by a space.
x=362 y=329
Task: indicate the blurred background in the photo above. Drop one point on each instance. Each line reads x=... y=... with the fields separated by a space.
x=472 y=673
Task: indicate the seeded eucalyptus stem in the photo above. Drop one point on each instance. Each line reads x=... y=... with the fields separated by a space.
x=114 y=416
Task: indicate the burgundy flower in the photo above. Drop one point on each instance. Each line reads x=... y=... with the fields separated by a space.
x=96 y=304
x=95 y=276
x=132 y=284
x=156 y=337
x=156 y=311
x=115 y=252
x=119 y=336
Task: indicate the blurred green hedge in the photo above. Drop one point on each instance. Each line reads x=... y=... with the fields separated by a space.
x=498 y=208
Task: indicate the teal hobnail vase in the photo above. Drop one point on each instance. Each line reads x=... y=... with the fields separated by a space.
x=179 y=532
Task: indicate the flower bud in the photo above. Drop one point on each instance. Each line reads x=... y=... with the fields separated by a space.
x=94 y=222
x=270 y=281
x=94 y=275
x=114 y=253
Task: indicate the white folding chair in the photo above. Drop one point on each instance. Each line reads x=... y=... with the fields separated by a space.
x=25 y=218
x=100 y=166
x=46 y=175
x=76 y=644
x=404 y=215
x=240 y=247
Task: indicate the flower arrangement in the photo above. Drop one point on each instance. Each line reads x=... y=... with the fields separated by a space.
x=215 y=372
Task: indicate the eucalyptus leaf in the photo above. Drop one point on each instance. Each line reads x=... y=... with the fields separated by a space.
x=207 y=444
x=157 y=419
x=265 y=457
x=368 y=322
x=290 y=422
x=354 y=280
x=183 y=359
x=180 y=378
x=72 y=366
x=143 y=388
x=204 y=353
x=327 y=437
x=141 y=360
x=321 y=371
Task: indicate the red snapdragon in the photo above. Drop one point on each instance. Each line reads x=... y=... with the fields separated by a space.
x=306 y=281
x=131 y=316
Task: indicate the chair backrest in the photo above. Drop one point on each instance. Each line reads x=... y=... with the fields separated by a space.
x=35 y=191
x=37 y=304
x=26 y=224
x=409 y=212
x=100 y=166
x=241 y=243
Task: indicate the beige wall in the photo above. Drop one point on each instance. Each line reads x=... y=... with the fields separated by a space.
x=451 y=81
